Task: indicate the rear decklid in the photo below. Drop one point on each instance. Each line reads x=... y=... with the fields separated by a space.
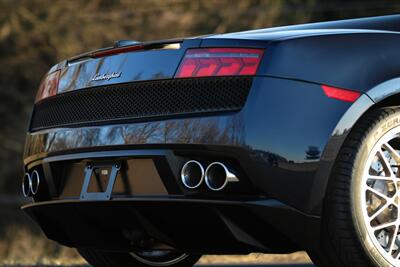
x=122 y=64
x=147 y=81
x=160 y=59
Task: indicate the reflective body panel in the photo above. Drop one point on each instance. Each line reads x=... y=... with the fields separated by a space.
x=278 y=142
x=281 y=143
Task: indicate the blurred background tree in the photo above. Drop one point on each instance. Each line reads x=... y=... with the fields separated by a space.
x=34 y=35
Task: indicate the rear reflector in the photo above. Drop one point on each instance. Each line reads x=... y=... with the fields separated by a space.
x=219 y=62
x=340 y=94
x=49 y=86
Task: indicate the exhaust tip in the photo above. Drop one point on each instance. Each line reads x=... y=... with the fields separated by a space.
x=35 y=181
x=217 y=176
x=26 y=185
x=192 y=174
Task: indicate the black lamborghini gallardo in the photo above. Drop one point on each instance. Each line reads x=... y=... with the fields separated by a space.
x=271 y=141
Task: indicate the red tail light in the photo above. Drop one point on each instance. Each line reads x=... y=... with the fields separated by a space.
x=219 y=62
x=49 y=86
x=340 y=94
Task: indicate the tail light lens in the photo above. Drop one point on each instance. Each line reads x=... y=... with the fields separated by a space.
x=340 y=94
x=49 y=86
x=219 y=62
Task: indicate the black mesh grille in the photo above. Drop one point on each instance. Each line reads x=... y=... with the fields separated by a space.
x=141 y=100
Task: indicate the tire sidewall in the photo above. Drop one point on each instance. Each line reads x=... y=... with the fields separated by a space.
x=372 y=137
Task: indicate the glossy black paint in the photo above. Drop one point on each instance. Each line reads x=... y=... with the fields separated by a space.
x=296 y=116
x=284 y=141
x=310 y=52
x=356 y=61
x=383 y=23
x=212 y=227
x=154 y=64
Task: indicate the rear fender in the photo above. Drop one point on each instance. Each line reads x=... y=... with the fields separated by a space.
x=383 y=94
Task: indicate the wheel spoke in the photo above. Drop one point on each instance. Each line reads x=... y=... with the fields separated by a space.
x=395 y=155
x=392 y=241
x=385 y=163
x=379 y=194
x=384 y=178
x=379 y=211
x=384 y=225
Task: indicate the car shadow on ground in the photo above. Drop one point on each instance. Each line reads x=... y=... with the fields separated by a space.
x=198 y=265
x=258 y=265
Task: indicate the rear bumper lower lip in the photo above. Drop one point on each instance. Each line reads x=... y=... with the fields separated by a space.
x=190 y=225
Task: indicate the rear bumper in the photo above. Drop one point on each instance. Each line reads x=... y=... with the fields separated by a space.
x=190 y=225
x=282 y=122
x=282 y=144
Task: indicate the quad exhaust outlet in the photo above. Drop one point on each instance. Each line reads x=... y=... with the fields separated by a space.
x=216 y=176
x=192 y=174
x=30 y=183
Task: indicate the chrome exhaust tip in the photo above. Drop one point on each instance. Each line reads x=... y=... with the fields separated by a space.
x=218 y=176
x=192 y=174
x=35 y=182
x=26 y=185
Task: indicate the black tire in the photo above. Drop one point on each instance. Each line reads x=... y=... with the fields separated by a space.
x=344 y=239
x=98 y=258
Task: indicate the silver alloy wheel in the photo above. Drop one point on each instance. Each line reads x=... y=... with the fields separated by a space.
x=158 y=257
x=380 y=195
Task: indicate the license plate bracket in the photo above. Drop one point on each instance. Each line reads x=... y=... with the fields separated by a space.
x=90 y=169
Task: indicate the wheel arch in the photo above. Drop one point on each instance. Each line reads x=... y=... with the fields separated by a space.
x=384 y=94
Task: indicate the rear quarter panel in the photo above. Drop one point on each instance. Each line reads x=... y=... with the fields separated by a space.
x=357 y=61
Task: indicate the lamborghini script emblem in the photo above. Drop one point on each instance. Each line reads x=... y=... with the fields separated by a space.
x=105 y=76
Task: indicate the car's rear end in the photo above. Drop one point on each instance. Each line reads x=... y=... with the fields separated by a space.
x=187 y=144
